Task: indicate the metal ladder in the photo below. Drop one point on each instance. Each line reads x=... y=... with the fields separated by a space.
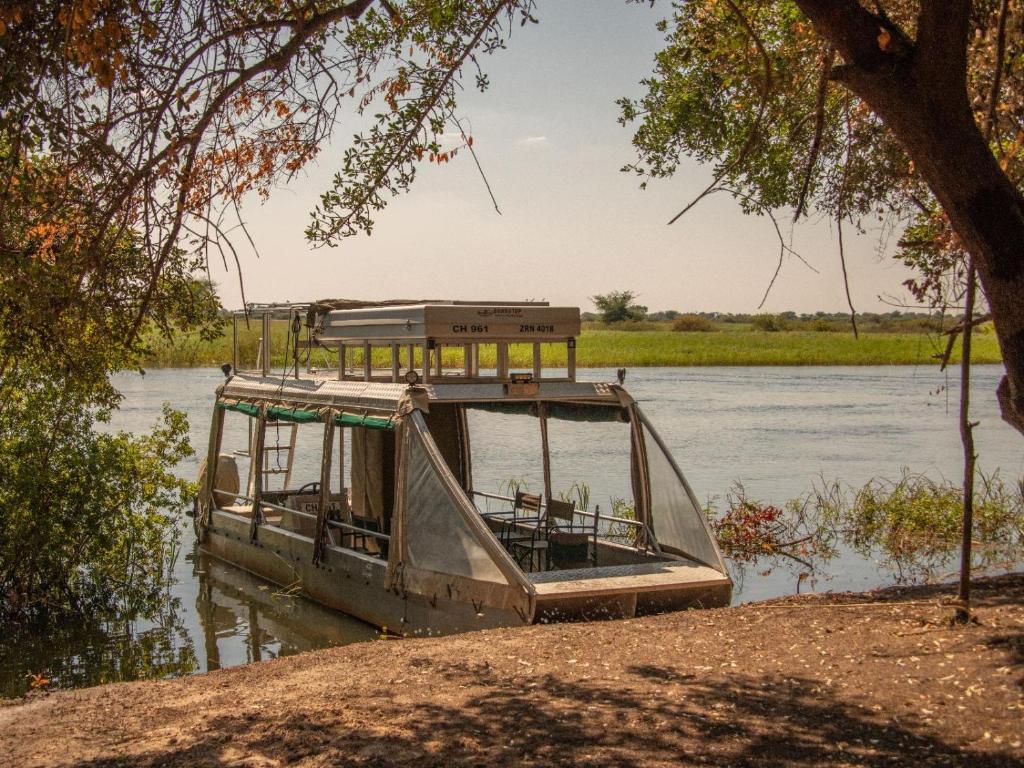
x=287 y=448
x=276 y=467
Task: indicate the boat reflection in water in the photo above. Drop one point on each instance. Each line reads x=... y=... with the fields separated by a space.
x=244 y=619
x=212 y=615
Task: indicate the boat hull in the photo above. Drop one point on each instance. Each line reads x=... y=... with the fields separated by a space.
x=344 y=580
x=354 y=583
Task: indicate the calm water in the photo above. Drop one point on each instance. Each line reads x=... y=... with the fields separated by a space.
x=778 y=430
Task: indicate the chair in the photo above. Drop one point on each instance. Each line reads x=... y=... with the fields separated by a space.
x=569 y=542
x=527 y=547
x=510 y=530
x=363 y=542
x=527 y=502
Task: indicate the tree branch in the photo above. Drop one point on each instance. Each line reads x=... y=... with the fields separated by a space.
x=819 y=129
x=854 y=31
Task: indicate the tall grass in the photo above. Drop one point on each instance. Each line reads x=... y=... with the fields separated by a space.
x=615 y=348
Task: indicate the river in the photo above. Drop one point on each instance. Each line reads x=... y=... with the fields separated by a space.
x=777 y=430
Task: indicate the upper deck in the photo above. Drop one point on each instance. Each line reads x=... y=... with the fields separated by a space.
x=478 y=343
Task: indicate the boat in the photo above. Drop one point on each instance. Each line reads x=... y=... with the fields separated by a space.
x=354 y=471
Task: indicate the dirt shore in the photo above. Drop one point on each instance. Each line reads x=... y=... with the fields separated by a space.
x=875 y=679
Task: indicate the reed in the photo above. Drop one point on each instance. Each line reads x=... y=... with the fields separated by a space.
x=618 y=348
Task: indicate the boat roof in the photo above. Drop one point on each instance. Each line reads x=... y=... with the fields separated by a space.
x=384 y=397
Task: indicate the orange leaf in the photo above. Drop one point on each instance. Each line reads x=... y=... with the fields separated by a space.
x=884 y=39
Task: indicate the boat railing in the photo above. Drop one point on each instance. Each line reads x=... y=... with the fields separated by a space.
x=576 y=510
x=332 y=523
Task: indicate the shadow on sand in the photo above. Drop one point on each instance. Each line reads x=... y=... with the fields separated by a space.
x=764 y=721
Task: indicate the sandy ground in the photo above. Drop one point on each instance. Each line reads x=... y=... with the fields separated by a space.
x=878 y=679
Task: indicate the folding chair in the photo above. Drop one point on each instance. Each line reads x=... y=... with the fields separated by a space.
x=569 y=542
x=527 y=547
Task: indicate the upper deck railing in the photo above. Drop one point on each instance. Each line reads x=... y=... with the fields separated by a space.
x=426 y=341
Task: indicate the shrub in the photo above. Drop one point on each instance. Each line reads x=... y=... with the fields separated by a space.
x=693 y=323
x=770 y=323
x=87 y=518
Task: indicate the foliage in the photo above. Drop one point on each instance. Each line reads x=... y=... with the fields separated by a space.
x=693 y=323
x=84 y=519
x=769 y=323
x=750 y=531
x=885 y=342
x=578 y=494
x=913 y=524
x=56 y=286
x=618 y=306
x=87 y=518
x=513 y=485
x=623 y=532
x=754 y=90
x=425 y=44
x=174 y=112
x=910 y=526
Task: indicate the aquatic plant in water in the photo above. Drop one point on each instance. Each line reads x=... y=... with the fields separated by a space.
x=910 y=526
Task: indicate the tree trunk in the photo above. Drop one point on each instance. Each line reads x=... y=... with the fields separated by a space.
x=919 y=90
x=963 y=611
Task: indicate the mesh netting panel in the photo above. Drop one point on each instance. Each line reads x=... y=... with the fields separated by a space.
x=438 y=537
x=676 y=520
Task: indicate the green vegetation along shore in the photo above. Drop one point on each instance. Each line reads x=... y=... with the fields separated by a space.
x=654 y=345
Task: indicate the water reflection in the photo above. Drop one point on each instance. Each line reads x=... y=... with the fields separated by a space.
x=214 y=615
x=245 y=619
x=76 y=654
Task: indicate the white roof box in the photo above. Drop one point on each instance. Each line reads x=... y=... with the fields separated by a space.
x=451 y=323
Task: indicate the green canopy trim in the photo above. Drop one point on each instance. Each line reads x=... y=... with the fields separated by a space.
x=370 y=422
x=300 y=416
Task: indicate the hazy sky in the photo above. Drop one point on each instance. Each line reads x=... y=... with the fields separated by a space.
x=572 y=224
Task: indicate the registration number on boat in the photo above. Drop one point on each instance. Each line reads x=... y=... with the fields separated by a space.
x=460 y=328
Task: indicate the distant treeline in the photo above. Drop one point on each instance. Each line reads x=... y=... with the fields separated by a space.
x=868 y=322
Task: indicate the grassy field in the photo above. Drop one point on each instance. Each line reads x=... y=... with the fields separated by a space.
x=730 y=345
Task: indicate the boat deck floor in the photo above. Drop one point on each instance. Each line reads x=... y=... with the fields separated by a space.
x=612 y=579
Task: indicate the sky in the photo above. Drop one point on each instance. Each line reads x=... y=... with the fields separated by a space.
x=572 y=225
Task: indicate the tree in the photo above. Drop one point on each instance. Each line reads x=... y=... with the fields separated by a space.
x=617 y=306
x=130 y=133
x=907 y=71
x=172 y=113
x=86 y=517
x=870 y=144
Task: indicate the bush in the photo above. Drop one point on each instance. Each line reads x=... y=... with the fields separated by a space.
x=913 y=525
x=769 y=323
x=87 y=518
x=694 y=323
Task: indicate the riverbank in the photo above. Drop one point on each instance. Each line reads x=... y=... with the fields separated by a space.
x=853 y=679
x=598 y=348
